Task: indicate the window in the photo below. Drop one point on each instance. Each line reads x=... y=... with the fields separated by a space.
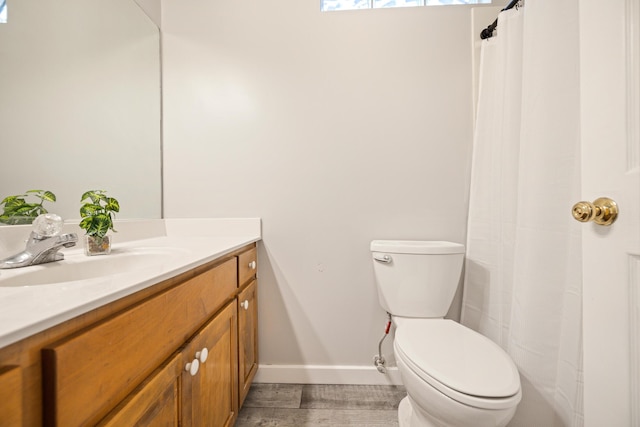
x=3 y=11
x=326 y=5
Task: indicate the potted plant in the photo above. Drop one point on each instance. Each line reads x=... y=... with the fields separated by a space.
x=97 y=213
x=18 y=211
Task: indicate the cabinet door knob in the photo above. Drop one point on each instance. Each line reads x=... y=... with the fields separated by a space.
x=192 y=367
x=245 y=304
x=202 y=355
x=252 y=265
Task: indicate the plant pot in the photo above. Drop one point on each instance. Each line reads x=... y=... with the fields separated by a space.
x=97 y=245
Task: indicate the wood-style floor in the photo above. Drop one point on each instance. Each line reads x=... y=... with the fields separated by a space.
x=306 y=405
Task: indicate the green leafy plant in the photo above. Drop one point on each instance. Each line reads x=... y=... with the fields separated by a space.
x=18 y=211
x=98 y=213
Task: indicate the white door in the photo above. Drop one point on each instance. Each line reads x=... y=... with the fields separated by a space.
x=610 y=133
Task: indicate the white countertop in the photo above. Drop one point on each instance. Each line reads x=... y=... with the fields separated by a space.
x=161 y=249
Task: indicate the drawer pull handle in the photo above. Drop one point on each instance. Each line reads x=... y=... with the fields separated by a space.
x=252 y=265
x=245 y=304
x=202 y=355
x=192 y=367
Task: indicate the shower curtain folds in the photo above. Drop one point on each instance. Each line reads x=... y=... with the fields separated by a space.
x=523 y=263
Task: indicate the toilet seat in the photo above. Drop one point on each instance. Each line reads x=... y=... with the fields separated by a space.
x=459 y=362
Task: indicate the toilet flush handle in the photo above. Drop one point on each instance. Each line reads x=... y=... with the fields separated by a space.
x=382 y=258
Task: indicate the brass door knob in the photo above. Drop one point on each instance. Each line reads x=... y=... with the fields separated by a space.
x=603 y=211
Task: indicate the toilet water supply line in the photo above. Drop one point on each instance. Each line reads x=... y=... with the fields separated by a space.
x=378 y=359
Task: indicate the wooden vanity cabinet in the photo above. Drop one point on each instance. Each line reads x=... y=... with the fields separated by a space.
x=89 y=373
x=130 y=362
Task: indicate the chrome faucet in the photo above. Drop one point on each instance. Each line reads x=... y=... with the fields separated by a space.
x=43 y=245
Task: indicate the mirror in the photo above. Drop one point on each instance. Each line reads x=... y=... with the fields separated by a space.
x=80 y=104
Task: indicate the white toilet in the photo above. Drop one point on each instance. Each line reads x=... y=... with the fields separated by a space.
x=454 y=376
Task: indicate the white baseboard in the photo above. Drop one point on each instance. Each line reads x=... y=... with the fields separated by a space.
x=325 y=374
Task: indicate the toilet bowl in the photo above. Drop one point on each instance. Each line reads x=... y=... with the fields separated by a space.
x=454 y=376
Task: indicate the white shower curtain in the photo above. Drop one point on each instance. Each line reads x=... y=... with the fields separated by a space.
x=523 y=267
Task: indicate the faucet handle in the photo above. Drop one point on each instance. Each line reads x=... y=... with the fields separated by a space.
x=47 y=225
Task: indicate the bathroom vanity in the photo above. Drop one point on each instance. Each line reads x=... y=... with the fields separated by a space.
x=172 y=342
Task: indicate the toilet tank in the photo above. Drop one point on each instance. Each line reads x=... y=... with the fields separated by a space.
x=416 y=278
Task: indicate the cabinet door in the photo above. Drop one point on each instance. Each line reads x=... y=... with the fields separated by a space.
x=154 y=403
x=10 y=396
x=210 y=391
x=247 y=337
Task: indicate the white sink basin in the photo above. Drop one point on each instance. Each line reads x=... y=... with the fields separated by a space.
x=77 y=266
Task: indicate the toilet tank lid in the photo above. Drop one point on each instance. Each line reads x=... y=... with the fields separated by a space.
x=416 y=247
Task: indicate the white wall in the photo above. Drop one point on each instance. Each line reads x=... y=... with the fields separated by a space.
x=336 y=129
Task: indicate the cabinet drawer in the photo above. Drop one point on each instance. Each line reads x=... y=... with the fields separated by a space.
x=247 y=266
x=86 y=375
